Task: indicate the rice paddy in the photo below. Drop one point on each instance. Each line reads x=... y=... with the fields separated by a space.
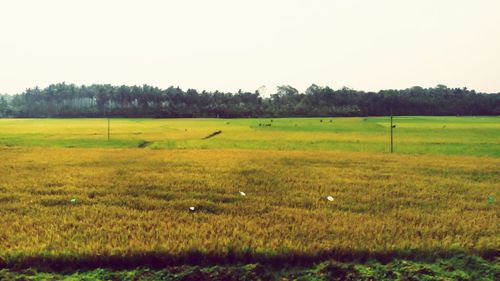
x=474 y=136
x=296 y=192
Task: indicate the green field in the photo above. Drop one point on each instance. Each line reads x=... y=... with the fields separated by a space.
x=475 y=136
x=75 y=205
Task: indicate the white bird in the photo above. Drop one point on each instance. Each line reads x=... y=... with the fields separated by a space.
x=329 y=198
x=191 y=208
x=73 y=200
x=243 y=193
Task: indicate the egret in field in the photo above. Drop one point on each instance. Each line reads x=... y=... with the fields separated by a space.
x=329 y=198
x=191 y=209
x=243 y=193
x=73 y=200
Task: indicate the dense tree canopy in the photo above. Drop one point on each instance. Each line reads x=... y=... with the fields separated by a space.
x=69 y=100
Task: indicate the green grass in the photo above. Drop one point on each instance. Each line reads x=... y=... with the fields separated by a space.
x=457 y=268
x=475 y=136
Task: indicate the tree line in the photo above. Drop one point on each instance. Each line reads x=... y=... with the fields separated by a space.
x=104 y=100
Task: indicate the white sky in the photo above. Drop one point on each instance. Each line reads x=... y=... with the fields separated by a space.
x=233 y=44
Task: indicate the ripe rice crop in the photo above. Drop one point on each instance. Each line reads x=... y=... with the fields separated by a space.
x=132 y=205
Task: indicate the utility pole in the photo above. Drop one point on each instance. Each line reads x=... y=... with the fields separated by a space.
x=108 y=129
x=392 y=133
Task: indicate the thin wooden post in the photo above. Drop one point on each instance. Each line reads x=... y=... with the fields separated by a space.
x=392 y=134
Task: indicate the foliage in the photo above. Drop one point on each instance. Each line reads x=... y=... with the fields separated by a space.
x=69 y=100
x=4 y=107
x=456 y=268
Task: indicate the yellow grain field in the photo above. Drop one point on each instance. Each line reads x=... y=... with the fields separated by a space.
x=99 y=205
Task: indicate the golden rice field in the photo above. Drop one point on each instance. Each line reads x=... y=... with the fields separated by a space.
x=104 y=206
x=131 y=202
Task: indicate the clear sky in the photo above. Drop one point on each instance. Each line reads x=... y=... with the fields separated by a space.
x=235 y=44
